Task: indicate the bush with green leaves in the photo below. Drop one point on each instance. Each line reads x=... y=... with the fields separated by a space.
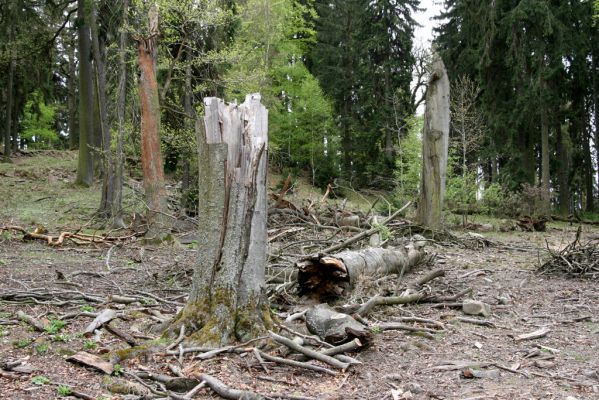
x=493 y=201
x=460 y=193
x=408 y=165
x=38 y=123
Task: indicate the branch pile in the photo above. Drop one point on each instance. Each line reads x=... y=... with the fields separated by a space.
x=575 y=260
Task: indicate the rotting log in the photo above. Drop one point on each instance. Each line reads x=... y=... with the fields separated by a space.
x=330 y=276
x=227 y=300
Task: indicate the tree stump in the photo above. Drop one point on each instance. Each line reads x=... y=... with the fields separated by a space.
x=227 y=299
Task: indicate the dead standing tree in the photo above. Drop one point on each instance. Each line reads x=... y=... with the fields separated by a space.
x=151 y=157
x=435 y=138
x=227 y=300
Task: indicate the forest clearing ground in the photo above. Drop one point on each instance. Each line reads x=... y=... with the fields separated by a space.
x=567 y=365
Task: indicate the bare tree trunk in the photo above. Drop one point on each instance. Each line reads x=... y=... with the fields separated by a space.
x=151 y=156
x=564 y=166
x=545 y=172
x=227 y=300
x=189 y=118
x=117 y=200
x=107 y=197
x=72 y=97
x=9 y=105
x=435 y=140
x=85 y=171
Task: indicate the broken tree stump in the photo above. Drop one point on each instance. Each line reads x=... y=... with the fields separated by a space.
x=329 y=276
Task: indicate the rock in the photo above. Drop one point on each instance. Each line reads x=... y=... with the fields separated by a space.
x=474 y=307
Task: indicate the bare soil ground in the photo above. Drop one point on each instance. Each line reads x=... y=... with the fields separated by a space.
x=561 y=365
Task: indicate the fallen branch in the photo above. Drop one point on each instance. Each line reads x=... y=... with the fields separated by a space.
x=367 y=307
x=336 y=327
x=296 y=363
x=34 y=322
x=226 y=392
x=308 y=352
x=365 y=234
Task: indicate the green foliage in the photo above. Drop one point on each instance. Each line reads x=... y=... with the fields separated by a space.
x=55 y=326
x=87 y=308
x=409 y=163
x=22 y=343
x=460 y=193
x=42 y=348
x=60 y=338
x=493 y=200
x=270 y=46
x=64 y=390
x=38 y=123
x=89 y=344
x=40 y=380
x=118 y=370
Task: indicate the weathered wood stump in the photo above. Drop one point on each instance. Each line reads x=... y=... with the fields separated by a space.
x=226 y=302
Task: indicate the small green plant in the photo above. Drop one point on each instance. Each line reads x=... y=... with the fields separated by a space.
x=87 y=308
x=3 y=331
x=117 y=370
x=376 y=330
x=64 y=390
x=193 y=245
x=89 y=345
x=42 y=348
x=40 y=380
x=55 y=326
x=384 y=231
x=60 y=338
x=22 y=343
x=6 y=235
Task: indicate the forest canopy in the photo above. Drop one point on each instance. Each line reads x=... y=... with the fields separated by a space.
x=342 y=80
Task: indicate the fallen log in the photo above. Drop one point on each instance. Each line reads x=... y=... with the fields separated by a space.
x=329 y=276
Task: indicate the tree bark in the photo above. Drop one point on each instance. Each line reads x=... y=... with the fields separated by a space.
x=435 y=140
x=119 y=157
x=105 y=209
x=545 y=173
x=85 y=171
x=151 y=156
x=72 y=97
x=9 y=109
x=562 y=174
x=227 y=300
x=324 y=277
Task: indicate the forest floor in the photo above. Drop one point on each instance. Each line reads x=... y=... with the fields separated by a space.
x=64 y=287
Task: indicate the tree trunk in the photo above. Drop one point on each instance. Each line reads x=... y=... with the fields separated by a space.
x=545 y=176
x=435 y=138
x=151 y=157
x=189 y=118
x=72 y=97
x=85 y=170
x=117 y=200
x=9 y=108
x=107 y=197
x=564 y=166
x=594 y=72
x=227 y=300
